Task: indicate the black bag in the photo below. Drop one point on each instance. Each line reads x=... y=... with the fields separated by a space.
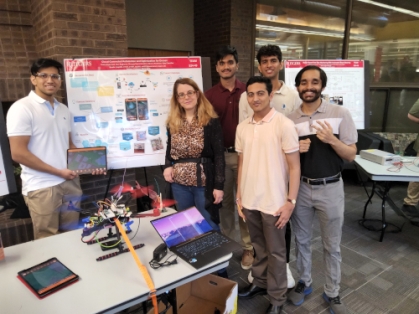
x=409 y=151
x=17 y=202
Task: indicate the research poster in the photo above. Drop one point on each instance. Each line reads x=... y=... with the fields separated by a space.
x=123 y=103
x=345 y=83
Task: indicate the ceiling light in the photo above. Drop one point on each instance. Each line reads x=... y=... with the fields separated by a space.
x=308 y=31
x=386 y=6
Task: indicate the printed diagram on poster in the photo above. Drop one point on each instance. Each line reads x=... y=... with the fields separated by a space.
x=123 y=103
x=345 y=83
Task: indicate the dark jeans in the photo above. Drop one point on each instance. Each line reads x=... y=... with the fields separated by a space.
x=190 y=196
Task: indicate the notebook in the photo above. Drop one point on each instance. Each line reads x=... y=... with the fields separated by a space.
x=190 y=236
x=87 y=160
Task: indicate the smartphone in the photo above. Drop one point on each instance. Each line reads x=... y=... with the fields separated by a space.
x=142 y=109
x=131 y=109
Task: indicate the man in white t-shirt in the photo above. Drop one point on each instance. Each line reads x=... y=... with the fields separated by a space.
x=267 y=187
x=285 y=99
x=38 y=128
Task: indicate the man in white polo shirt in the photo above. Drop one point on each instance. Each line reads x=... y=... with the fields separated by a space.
x=285 y=100
x=38 y=127
x=268 y=181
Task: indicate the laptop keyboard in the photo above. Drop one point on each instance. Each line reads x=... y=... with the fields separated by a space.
x=202 y=245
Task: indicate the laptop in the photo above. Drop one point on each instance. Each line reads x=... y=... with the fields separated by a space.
x=190 y=236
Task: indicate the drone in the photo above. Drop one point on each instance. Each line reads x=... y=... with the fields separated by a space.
x=110 y=210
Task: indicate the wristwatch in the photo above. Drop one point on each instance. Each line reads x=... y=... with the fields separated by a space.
x=292 y=201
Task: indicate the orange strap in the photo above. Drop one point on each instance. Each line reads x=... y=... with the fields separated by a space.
x=142 y=268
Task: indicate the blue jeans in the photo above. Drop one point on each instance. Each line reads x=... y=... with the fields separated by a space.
x=190 y=196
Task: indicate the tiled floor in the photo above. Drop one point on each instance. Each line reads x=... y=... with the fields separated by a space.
x=376 y=277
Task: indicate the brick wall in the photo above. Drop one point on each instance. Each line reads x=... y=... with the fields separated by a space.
x=60 y=29
x=229 y=22
x=241 y=35
x=94 y=187
x=80 y=28
x=17 y=49
x=211 y=29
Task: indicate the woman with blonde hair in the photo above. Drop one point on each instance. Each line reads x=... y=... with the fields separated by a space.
x=195 y=151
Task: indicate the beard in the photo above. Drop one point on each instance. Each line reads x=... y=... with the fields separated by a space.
x=317 y=94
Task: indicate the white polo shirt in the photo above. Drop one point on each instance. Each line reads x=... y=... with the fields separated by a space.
x=265 y=173
x=49 y=137
x=285 y=101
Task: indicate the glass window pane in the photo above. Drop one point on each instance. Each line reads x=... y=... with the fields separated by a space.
x=377 y=108
x=303 y=30
x=401 y=100
x=388 y=37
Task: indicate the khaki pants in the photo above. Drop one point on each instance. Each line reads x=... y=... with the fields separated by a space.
x=412 y=197
x=228 y=212
x=49 y=208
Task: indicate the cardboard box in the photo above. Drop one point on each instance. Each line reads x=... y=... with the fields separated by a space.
x=162 y=307
x=205 y=294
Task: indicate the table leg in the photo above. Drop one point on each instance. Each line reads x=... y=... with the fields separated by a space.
x=369 y=200
x=383 y=210
x=384 y=194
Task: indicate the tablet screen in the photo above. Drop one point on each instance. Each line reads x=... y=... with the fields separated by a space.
x=86 y=160
x=47 y=277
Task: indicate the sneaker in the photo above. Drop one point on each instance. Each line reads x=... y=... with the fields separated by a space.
x=410 y=210
x=297 y=295
x=250 y=277
x=247 y=259
x=290 y=278
x=336 y=306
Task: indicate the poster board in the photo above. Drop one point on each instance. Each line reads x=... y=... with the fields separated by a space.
x=7 y=178
x=123 y=103
x=347 y=84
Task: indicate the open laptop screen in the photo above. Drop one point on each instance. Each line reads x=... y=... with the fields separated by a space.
x=181 y=226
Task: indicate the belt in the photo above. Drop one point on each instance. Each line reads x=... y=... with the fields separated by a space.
x=198 y=161
x=229 y=149
x=320 y=181
x=201 y=160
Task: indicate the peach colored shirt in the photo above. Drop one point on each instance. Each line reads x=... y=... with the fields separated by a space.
x=265 y=173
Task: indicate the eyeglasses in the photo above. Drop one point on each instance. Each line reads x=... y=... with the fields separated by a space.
x=188 y=93
x=45 y=76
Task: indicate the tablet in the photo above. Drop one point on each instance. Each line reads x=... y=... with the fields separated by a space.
x=47 y=277
x=86 y=160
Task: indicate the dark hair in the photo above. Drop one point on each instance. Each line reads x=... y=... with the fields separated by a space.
x=225 y=51
x=260 y=79
x=45 y=63
x=323 y=76
x=269 y=50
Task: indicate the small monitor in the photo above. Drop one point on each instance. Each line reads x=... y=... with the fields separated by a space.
x=87 y=160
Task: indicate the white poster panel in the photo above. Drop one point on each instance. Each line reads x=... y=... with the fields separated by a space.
x=123 y=103
x=4 y=188
x=345 y=83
